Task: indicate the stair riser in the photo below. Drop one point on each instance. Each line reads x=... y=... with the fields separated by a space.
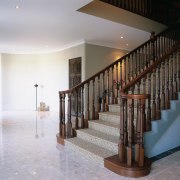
x=104 y=128
x=109 y=118
x=85 y=153
x=114 y=108
x=100 y=142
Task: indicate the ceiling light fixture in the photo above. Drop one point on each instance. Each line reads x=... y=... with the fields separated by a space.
x=127 y=44
x=17 y=7
x=121 y=37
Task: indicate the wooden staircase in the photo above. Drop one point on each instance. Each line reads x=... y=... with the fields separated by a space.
x=148 y=78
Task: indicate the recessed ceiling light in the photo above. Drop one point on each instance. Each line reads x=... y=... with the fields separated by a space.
x=17 y=7
x=121 y=37
x=127 y=44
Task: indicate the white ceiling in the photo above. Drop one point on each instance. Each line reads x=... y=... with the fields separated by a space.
x=51 y=25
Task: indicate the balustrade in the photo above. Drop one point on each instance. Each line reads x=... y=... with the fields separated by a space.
x=148 y=78
x=169 y=13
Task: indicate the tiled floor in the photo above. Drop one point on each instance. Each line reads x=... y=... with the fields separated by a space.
x=28 y=150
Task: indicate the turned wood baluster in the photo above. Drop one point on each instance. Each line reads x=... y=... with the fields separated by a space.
x=144 y=85
x=160 y=46
x=175 y=85
x=88 y=112
x=63 y=112
x=122 y=145
x=172 y=38
x=62 y=118
x=121 y=80
x=125 y=75
x=83 y=125
x=130 y=136
x=142 y=120
x=149 y=54
x=146 y=56
x=129 y=66
x=135 y=64
x=155 y=49
x=158 y=114
x=169 y=41
x=98 y=99
x=137 y=145
x=77 y=108
x=152 y=38
x=154 y=96
x=93 y=100
x=132 y=67
x=143 y=59
x=132 y=116
x=148 y=119
x=165 y=44
x=139 y=61
x=117 y=93
x=163 y=106
x=113 y=89
x=60 y=115
x=103 y=94
x=108 y=92
x=167 y=84
x=171 y=78
x=126 y=123
x=69 y=123
x=138 y=87
x=178 y=66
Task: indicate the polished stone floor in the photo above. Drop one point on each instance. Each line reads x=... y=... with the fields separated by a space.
x=28 y=151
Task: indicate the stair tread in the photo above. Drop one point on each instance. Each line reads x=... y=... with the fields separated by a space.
x=106 y=123
x=90 y=147
x=100 y=135
x=116 y=105
x=110 y=113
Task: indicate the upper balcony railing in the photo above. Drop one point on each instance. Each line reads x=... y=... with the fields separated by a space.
x=163 y=11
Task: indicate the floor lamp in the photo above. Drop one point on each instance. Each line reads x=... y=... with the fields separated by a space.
x=36 y=85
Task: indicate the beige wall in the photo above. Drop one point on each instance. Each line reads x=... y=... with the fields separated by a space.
x=98 y=57
x=50 y=71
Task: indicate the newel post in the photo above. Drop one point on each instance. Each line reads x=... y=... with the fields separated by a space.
x=122 y=145
x=131 y=160
x=62 y=125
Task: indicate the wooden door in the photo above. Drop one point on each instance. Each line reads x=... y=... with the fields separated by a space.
x=75 y=79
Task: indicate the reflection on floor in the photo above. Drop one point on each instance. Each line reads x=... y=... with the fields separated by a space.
x=28 y=150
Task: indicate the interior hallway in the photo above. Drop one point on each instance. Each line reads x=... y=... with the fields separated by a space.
x=28 y=150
